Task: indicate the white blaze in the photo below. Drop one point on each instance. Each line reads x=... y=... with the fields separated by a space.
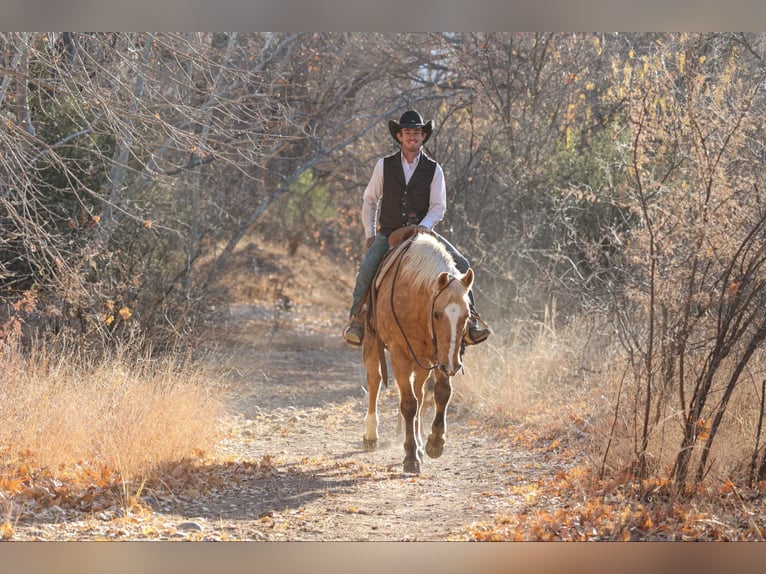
x=452 y=312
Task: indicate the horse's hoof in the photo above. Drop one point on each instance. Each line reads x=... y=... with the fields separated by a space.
x=412 y=466
x=370 y=444
x=435 y=446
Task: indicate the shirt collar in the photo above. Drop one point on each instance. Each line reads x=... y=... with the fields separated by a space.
x=414 y=162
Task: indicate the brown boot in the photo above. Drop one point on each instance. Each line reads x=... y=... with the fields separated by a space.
x=477 y=331
x=353 y=333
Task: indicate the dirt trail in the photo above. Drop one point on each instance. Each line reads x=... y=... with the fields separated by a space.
x=301 y=403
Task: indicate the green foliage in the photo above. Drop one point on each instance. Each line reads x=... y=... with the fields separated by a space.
x=308 y=204
x=590 y=206
x=304 y=215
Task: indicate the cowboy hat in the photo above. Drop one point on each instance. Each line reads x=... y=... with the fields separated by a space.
x=411 y=119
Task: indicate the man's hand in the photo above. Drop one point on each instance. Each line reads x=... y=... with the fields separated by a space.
x=421 y=229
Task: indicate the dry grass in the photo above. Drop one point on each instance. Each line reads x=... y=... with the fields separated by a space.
x=545 y=377
x=67 y=414
x=735 y=441
x=555 y=383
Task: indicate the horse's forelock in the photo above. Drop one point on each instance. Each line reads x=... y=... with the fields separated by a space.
x=426 y=259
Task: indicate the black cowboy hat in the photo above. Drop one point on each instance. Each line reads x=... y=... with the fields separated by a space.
x=411 y=119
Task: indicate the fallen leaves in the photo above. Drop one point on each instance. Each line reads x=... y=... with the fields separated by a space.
x=97 y=495
x=570 y=503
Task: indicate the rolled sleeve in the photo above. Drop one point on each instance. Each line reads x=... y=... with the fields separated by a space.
x=371 y=200
x=437 y=205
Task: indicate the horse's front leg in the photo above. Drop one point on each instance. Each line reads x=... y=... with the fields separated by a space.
x=442 y=394
x=408 y=407
x=372 y=364
x=419 y=387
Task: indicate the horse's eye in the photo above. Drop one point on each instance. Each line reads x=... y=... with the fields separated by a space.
x=437 y=315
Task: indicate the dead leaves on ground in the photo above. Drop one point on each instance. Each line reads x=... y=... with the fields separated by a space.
x=97 y=493
x=573 y=505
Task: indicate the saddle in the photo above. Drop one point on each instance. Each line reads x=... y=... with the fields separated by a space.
x=400 y=235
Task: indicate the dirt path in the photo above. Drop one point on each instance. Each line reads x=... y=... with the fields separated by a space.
x=300 y=402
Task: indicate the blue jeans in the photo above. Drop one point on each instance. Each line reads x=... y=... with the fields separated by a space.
x=367 y=270
x=375 y=255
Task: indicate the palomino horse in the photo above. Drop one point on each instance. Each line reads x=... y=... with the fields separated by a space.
x=419 y=314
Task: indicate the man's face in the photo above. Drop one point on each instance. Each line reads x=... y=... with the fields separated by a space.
x=411 y=138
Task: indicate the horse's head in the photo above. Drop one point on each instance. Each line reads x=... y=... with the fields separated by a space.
x=449 y=317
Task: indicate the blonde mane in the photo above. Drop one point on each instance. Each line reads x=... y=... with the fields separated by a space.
x=425 y=259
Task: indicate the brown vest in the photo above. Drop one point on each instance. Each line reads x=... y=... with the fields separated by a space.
x=404 y=205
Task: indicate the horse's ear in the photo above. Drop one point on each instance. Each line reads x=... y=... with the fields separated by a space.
x=468 y=278
x=443 y=279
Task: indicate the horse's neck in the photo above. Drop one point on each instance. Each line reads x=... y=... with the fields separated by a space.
x=420 y=301
x=414 y=306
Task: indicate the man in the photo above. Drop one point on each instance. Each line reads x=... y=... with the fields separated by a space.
x=406 y=188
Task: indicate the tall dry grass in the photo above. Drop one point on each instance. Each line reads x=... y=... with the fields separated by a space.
x=532 y=372
x=577 y=381
x=65 y=412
